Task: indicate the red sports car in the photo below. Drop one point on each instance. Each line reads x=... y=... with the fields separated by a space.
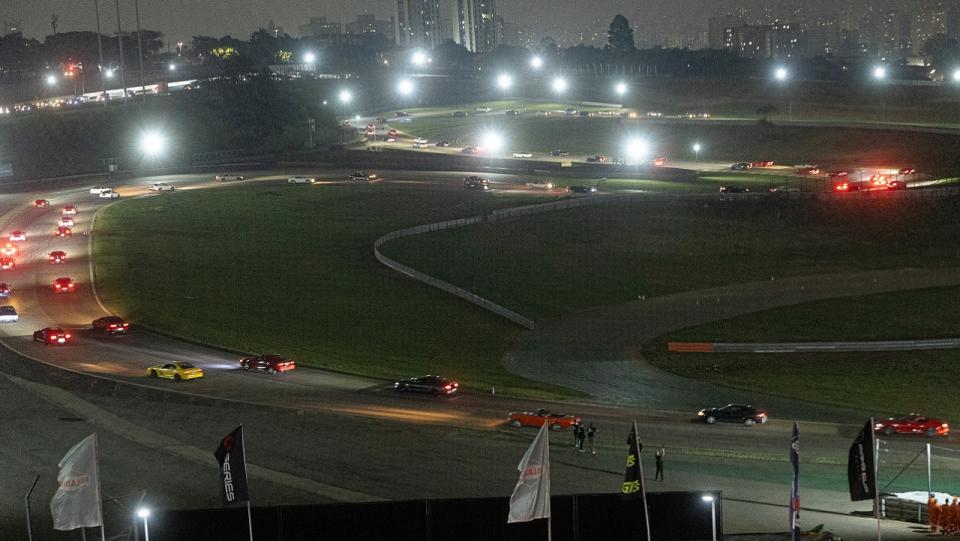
x=58 y=256
x=7 y=263
x=273 y=364
x=763 y=163
x=913 y=424
x=556 y=421
x=64 y=285
x=51 y=335
x=41 y=203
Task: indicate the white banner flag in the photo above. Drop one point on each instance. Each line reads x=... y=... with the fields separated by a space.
x=77 y=501
x=531 y=497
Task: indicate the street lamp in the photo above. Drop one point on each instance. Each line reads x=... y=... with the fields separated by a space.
x=696 y=151
x=559 y=85
x=172 y=67
x=51 y=79
x=492 y=143
x=621 y=89
x=713 y=515
x=152 y=144
x=309 y=57
x=405 y=87
x=879 y=73
x=536 y=62
x=144 y=513
x=345 y=96
x=504 y=82
x=956 y=76
x=781 y=74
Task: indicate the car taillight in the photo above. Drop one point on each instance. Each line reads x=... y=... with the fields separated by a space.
x=945 y=425
x=447 y=387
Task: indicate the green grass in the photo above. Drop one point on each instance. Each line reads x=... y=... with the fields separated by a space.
x=903 y=315
x=550 y=264
x=291 y=269
x=888 y=383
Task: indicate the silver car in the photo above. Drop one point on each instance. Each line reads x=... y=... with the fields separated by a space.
x=8 y=314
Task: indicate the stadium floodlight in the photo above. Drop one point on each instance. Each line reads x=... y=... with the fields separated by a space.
x=345 y=96
x=536 y=62
x=560 y=85
x=405 y=87
x=504 y=81
x=492 y=141
x=419 y=58
x=781 y=74
x=879 y=73
x=172 y=67
x=152 y=143
x=51 y=79
x=956 y=75
x=636 y=150
x=621 y=88
x=309 y=57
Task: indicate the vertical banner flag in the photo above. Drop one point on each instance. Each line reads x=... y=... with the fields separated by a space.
x=76 y=503
x=861 y=472
x=795 y=487
x=633 y=478
x=233 y=468
x=531 y=497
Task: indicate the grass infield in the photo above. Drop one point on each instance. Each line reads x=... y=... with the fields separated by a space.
x=285 y=268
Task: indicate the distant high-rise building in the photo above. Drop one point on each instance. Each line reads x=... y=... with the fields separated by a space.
x=717 y=30
x=475 y=24
x=367 y=23
x=416 y=23
x=822 y=36
x=319 y=27
x=929 y=20
x=12 y=27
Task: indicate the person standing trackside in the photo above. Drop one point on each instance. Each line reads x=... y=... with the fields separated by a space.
x=591 y=432
x=659 y=456
x=576 y=433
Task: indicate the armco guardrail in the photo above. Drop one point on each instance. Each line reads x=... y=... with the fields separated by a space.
x=440 y=284
x=812 y=347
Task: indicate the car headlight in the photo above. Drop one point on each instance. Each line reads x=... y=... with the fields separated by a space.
x=701 y=413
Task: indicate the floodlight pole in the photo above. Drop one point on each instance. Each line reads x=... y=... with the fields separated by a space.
x=929 y=471
x=123 y=80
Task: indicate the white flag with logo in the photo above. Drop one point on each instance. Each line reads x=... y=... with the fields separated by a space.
x=77 y=502
x=531 y=497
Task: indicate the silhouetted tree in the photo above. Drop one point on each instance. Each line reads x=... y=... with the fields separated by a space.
x=620 y=35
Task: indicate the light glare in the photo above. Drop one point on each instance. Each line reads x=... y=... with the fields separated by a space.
x=152 y=143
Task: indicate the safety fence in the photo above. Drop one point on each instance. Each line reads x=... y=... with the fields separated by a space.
x=436 y=282
x=812 y=347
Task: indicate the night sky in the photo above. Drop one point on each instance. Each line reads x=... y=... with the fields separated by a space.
x=181 y=19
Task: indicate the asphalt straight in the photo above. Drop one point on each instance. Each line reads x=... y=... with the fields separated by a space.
x=318 y=436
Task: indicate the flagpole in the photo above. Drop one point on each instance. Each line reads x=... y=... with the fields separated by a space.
x=643 y=485
x=243 y=448
x=96 y=458
x=876 y=471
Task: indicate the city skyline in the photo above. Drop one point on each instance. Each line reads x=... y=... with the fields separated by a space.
x=891 y=26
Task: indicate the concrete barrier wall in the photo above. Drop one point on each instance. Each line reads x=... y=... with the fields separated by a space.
x=812 y=347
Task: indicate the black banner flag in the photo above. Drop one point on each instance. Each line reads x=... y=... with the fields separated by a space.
x=233 y=468
x=633 y=478
x=861 y=471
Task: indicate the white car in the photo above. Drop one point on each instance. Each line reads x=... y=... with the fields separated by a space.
x=65 y=221
x=421 y=145
x=522 y=154
x=483 y=109
x=420 y=140
x=391 y=139
x=227 y=178
x=97 y=190
x=540 y=185
x=162 y=187
x=108 y=193
x=69 y=210
x=300 y=179
x=8 y=314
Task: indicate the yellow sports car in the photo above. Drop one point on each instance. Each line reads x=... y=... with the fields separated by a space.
x=176 y=371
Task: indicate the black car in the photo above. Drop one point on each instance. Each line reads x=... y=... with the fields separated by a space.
x=111 y=325
x=742 y=166
x=733 y=413
x=733 y=189
x=559 y=153
x=511 y=112
x=476 y=183
x=434 y=385
x=443 y=144
x=897 y=185
x=580 y=188
x=459 y=114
